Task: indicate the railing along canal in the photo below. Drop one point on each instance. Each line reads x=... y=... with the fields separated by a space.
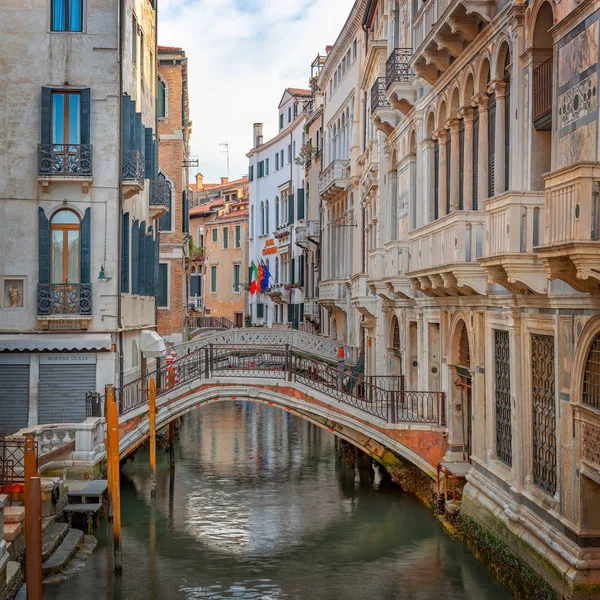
x=382 y=397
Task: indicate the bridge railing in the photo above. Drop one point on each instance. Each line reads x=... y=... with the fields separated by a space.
x=383 y=397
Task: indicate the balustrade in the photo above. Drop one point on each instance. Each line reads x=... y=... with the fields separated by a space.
x=64 y=299
x=65 y=160
x=133 y=168
x=334 y=179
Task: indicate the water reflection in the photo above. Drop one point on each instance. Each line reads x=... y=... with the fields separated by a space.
x=258 y=507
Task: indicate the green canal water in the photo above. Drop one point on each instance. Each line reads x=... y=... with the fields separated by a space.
x=259 y=508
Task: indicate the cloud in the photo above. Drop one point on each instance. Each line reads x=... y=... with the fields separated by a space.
x=242 y=54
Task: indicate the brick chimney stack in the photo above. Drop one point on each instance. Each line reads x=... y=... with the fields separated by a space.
x=257 y=135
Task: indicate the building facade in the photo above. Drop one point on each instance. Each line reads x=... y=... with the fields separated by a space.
x=470 y=165
x=174 y=128
x=229 y=190
x=78 y=235
x=277 y=174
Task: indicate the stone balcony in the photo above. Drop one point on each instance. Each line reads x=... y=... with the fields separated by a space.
x=334 y=179
x=396 y=265
x=382 y=113
x=309 y=232
x=398 y=74
x=363 y=296
x=333 y=292
x=571 y=246
x=444 y=255
x=513 y=230
x=441 y=31
x=312 y=310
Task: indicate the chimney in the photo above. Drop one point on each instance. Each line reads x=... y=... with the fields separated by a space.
x=199 y=180
x=257 y=134
x=224 y=180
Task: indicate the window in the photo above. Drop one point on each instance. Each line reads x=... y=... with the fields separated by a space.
x=225 y=237
x=65 y=253
x=289 y=154
x=354 y=49
x=134 y=40
x=165 y=222
x=289 y=114
x=295 y=110
x=281 y=160
x=142 y=56
x=67 y=15
x=251 y=173
x=237 y=242
x=276 y=211
x=277 y=162
x=294 y=152
x=213 y=279
x=66 y=118
x=281 y=121
x=261 y=169
x=161 y=105
x=262 y=218
x=503 y=407
x=236 y=279
x=266 y=166
x=330 y=87
x=267 y=217
x=252 y=222
x=215 y=234
x=162 y=297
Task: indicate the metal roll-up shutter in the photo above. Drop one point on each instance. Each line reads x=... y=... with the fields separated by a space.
x=14 y=398
x=62 y=392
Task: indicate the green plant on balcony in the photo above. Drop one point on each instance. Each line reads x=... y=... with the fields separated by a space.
x=196 y=252
x=307 y=151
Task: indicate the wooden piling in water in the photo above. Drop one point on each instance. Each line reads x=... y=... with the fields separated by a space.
x=152 y=420
x=33 y=536
x=112 y=452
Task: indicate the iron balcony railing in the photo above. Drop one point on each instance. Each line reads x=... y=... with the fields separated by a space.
x=542 y=89
x=378 y=97
x=65 y=159
x=133 y=167
x=64 y=299
x=160 y=194
x=382 y=397
x=398 y=67
x=211 y=323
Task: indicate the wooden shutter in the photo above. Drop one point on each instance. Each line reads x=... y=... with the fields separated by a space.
x=142 y=259
x=46 y=124
x=43 y=247
x=127 y=142
x=85 y=247
x=139 y=137
x=238 y=236
x=185 y=212
x=291 y=208
x=135 y=258
x=148 y=153
x=448 y=171
x=301 y=271
x=461 y=164
x=491 y=144
x=149 y=260
x=155 y=262
x=476 y=159
x=162 y=297
x=300 y=208
x=293 y=271
x=86 y=115
x=125 y=254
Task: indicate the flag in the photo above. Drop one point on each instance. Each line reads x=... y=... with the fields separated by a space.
x=259 y=276
x=254 y=283
x=265 y=278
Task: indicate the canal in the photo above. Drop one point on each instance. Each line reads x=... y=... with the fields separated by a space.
x=259 y=508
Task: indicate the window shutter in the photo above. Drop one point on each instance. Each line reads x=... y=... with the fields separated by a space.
x=125 y=254
x=491 y=144
x=238 y=233
x=46 y=125
x=149 y=259
x=86 y=115
x=86 y=246
x=461 y=164
x=154 y=159
x=185 y=212
x=300 y=203
x=43 y=247
x=148 y=153
x=135 y=258
x=301 y=271
x=475 y=159
x=448 y=171
x=291 y=208
x=249 y=273
x=142 y=259
x=293 y=271
x=126 y=124
x=138 y=132
x=155 y=262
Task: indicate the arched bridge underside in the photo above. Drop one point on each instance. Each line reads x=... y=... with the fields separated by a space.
x=377 y=414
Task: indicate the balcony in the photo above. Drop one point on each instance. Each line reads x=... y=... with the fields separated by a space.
x=442 y=30
x=571 y=249
x=382 y=113
x=334 y=179
x=133 y=172
x=310 y=232
x=514 y=229
x=312 y=310
x=444 y=256
x=333 y=292
x=396 y=264
x=364 y=299
x=542 y=96
x=399 y=74
x=160 y=198
x=60 y=162
x=64 y=299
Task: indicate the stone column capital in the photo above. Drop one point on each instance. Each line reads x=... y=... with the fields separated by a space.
x=452 y=125
x=466 y=113
x=427 y=143
x=440 y=134
x=498 y=87
x=480 y=101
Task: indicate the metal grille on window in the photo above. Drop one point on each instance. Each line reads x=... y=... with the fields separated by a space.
x=464 y=355
x=503 y=408
x=591 y=376
x=396 y=341
x=544 y=412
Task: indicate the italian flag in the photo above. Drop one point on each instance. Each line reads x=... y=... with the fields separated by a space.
x=254 y=283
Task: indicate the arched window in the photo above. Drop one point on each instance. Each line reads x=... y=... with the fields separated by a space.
x=267 y=216
x=161 y=105
x=262 y=218
x=65 y=230
x=276 y=211
x=165 y=190
x=396 y=349
x=591 y=376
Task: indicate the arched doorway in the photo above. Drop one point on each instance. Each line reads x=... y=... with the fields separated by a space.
x=395 y=350
x=462 y=383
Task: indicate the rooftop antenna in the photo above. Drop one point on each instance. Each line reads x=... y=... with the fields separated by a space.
x=226 y=151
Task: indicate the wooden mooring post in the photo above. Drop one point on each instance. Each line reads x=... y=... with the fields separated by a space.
x=152 y=421
x=114 y=483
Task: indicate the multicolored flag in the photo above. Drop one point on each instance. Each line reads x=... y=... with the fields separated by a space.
x=254 y=282
x=265 y=278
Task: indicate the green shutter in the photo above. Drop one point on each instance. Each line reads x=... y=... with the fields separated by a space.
x=125 y=254
x=126 y=141
x=300 y=203
x=85 y=247
x=291 y=208
x=155 y=291
x=162 y=298
x=46 y=125
x=225 y=237
x=301 y=271
x=135 y=258
x=148 y=150
x=43 y=247
x=86 y=115
x=185 y=212
x=142 y=259
x=149 y=262
x=293 y=271
x=238 y=236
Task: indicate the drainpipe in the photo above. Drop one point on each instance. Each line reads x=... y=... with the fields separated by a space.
x=120 y=192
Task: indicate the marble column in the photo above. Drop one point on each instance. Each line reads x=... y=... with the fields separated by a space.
x=481 y=101
x=393 y=197
x=427 y=182
x=466 y=113
x=442 y=136
x=452 y=125
x=415 y=219
x=498 y=87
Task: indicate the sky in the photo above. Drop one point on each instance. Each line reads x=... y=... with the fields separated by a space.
x=242 y=54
